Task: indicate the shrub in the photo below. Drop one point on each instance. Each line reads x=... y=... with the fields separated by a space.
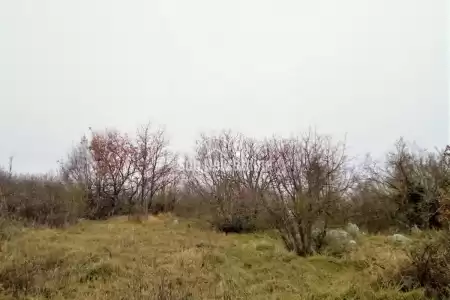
x=234 y=224
x=310 y=176
x=40 y=200
x=429 y=267
x=162 y=203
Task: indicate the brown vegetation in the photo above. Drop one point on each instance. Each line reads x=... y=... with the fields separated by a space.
x=300 y=189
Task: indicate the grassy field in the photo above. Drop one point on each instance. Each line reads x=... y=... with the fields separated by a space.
x=164 y=259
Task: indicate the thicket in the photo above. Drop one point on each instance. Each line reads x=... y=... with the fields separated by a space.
x=301 y=186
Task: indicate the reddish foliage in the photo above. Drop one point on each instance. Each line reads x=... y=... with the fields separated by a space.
x=113 y=156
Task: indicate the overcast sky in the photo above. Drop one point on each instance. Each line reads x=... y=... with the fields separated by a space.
x=372 y=69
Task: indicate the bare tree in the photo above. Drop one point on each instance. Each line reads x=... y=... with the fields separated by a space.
x=77 y=168
x=210 y=173
x=309 y=177
x=416 y=182
x=114 y=157
x=105 y=167
x=80 y=169
x=228 y=171
x=156 y=165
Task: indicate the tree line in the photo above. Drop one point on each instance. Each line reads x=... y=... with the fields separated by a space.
x=301 y=186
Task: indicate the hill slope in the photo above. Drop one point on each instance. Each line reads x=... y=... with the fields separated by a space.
x=165 y=259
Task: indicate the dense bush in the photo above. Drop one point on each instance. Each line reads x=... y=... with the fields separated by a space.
x=40 y=200
x=235 y=222
x=428 y=266
x=163 y=202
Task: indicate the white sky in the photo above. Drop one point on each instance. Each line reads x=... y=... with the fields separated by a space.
x=374 y=69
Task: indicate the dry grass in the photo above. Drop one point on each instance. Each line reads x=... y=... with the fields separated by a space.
x=161 y=259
